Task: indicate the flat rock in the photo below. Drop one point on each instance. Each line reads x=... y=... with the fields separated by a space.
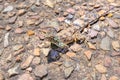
x=92 y=33
x=113 y=78
x=12 y=19
x=101 y=69
x=103 y=77
x=91 y=46
x=71 y=54
x=49 y=3
x=36 y=61
x=75 y=47
x=13 y=71
x=45 y=51
x=17 y=47
x=36 y=52
x=68 y=71
x=41 y=70
x=116 y=45
x=107 y=61
x=27 y=62
x=78 y=22
x=18 y=30
x=6 y=41
x=1 y=8
x=25 y=76
x=88 y=54
x=8 y=9
x=96 y=27
x=105 y=43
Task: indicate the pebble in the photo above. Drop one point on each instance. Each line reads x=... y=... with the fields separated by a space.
x=96 y=27
x=27 y=62
x=91 y=46
x=30 y=32
x=49 y=3
x=36 y=61
x=70 y=16
x=67 y=21
x=20 y=23
x=101 y=69
x=13 y=71
x=1 y=76
x=68 y=71
x=110 y=33
x=6 y=41
x=8 y=28
x=61 y=19
x=75 y=47
x=53 y=56
x=18 y=30
x=8 y=9
x=116 y=45
x=92 y=33
x=113 y=78
x=17 y=47
x=71 y=54
x=12 y=20
x=45 y=51
x=30 y=22
x=36 y=52
x=105 y=43
x=88 y=54
x=112 y=23
x=115 y=54
x=103 y=77
x=41 y=70
x=111 y=1
x=25 y=76
x=21 y=12
x=70 y=10
x=107 y=61
x=78 y=22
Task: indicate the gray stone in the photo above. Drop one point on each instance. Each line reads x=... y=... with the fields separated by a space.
x=96 y=27
x=41 y=70
x=110 y=33
x=8 y=9
x=68 y=71
x=105 y=43
x=1 y=8
x=70 y=16
x=13 y=71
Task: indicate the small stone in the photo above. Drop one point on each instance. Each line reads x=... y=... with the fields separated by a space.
x=8 y=9
x=91 y=46
x=1 y=76
x=103 y=77
x=88 y=54
x=1 y=27
x=18 y=30
x=36 y=52
x=70 y=10
x=75 y=47
x=111 y=33
x=41 y=70
x=17 y=47
x=102 y=18
x=6 y=42
x=67 y=21
x=92 y=33
x=68 y=71
x=21 y=12
x=27 y=62
x=25 y=76
x=101 y=69
x=115 y=54
x=112 y=23
x=9 y=58
x=71 y=54
x=49 y=3
x=105 y=43
x=45 y=51
x=36 y=61
x=30 y=22
x=20 y=23
x=12 y=19
x=30 y=32
x=111 y=1
x=78 y=22
x=101 y=12
x=109 y=15
x=107 y=61
x=70 y=16
x=114 y=78
x=13 y=71
x=116 y=45
x=8 y=28
x=61 y=19
x=96 y=27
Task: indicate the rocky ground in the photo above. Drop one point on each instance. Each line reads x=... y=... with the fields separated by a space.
x=59 y=39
